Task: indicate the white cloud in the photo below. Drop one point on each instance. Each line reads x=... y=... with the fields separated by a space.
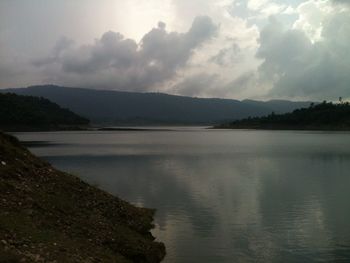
x=312 y=13
x=257 y=4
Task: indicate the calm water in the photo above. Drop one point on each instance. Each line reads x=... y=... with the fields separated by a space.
x=223 y=196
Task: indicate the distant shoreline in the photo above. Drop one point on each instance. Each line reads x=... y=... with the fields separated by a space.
x=157 y=129
x=325 y=116
x=280 y=128
x=102 y=128
x=17 y=128
x=131 y=129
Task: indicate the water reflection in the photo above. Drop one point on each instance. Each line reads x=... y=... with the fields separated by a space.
x=224 y=196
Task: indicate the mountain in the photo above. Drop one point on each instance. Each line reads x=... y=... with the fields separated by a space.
x=323 y=116
x=118 y=107
x=20 y=112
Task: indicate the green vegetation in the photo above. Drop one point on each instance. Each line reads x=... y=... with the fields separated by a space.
x=116 y=108
x=20 y=113
x=323 y=116
x=50 y=216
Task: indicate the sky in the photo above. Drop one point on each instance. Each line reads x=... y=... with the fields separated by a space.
x=257 y=49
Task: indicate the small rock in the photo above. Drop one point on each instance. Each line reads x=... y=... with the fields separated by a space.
x=3 y=163
x=29 y=212
x=4 y=242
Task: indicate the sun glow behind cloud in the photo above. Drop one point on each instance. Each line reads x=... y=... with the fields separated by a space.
x=247 y=56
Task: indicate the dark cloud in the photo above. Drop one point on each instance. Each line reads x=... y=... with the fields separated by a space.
x=300 y=68
x=116 y=62
x=61 y=45
x=197 y=85
x=110 y=51
x=212 y=85
x=227 y=56
x=243 y=82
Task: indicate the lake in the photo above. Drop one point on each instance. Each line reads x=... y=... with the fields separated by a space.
x=222 y=195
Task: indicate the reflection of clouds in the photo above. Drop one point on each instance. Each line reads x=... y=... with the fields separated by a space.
x=230 y=186
x=298 y=203
x=174 y=231
x=247 y=196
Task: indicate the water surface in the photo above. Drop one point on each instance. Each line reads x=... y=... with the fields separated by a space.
x=222 y=196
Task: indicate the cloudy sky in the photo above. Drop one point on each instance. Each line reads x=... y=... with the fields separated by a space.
x=259 y=49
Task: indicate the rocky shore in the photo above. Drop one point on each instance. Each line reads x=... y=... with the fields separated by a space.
x=50 y=216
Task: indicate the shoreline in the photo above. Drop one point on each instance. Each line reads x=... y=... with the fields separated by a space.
x=281 y=128
x=47 y=215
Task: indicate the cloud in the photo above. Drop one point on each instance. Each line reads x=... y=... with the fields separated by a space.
x=296 y=66
x=303 y=53
x=197 y=85
x=225 y=56
x=120 y=63
x=341 y=2
x=256 y=10
x=243 y=82
x=61 y=45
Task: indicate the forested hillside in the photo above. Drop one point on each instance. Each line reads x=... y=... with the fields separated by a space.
x=34 y=113
x=323 y=116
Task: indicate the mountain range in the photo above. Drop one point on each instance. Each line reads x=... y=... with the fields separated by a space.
x=132 y=108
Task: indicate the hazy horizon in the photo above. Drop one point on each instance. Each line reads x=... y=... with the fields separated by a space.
x=159 y=92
